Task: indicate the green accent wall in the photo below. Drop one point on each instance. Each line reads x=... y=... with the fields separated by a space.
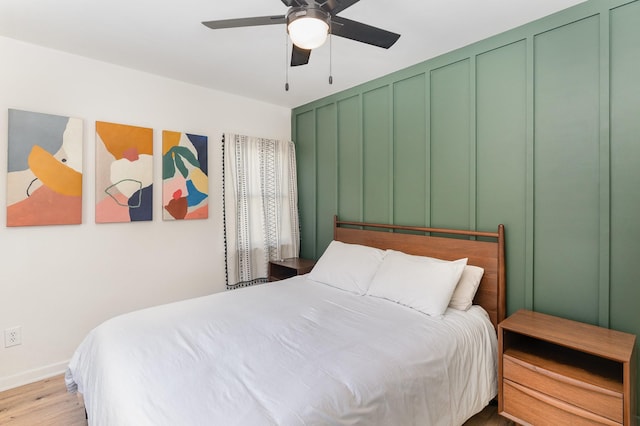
x=537 y=128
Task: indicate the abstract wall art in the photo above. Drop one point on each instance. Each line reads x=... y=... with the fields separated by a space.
x=185 y=186
x=124 y=173
x=44 y=169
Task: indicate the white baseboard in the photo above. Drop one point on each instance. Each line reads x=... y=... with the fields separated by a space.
x=31 y=376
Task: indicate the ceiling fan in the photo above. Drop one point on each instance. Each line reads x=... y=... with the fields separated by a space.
x=308 y=24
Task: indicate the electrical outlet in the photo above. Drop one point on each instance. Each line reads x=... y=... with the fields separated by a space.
x=12 y=336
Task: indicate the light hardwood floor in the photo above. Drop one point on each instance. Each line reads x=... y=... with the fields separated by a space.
x=47 y=403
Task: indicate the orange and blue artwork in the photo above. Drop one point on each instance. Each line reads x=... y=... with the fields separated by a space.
x=185 y=185
x=44 y=173
x=124 y=173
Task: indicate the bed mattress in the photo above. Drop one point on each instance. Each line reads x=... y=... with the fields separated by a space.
x=294 y=352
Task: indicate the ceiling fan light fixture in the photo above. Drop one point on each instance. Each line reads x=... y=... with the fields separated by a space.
x=308 y=28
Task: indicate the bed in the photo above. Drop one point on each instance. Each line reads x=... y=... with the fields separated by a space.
x=302 y=351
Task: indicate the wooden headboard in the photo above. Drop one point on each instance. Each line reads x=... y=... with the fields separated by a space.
x=484 y=249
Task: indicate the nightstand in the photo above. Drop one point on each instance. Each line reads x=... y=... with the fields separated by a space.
x=557 y=371
x=287 y=268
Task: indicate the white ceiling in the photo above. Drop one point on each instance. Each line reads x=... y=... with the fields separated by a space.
x=167 y=38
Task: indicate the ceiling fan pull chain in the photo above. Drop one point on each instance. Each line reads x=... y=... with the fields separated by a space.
x=330 y=59
x=286 y=61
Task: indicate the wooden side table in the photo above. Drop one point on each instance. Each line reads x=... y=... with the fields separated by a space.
x=557 y=371
x=287 y=268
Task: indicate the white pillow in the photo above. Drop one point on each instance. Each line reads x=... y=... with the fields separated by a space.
x=467 y=287
x=419 y=282
x=349 y=267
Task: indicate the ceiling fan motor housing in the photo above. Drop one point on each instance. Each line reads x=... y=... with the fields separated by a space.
x=308 y=12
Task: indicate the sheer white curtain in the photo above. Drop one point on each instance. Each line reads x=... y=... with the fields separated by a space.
x=260 y=206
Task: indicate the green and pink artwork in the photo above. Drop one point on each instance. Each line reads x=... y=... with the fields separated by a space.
x=185 y=185
x=124 y=173
x=44 y=173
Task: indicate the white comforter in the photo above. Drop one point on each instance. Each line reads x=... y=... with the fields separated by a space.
x=294 y=352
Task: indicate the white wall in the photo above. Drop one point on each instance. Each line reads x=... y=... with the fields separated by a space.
x=58 y=282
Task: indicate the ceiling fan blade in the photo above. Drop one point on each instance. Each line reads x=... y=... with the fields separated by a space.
x=245 y=22
x=299 y=56
x=362 y=32
x=296 y=3
x=337 y=6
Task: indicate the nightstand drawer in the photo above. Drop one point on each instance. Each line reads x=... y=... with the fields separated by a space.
x=588 y=396
x=539 y=409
